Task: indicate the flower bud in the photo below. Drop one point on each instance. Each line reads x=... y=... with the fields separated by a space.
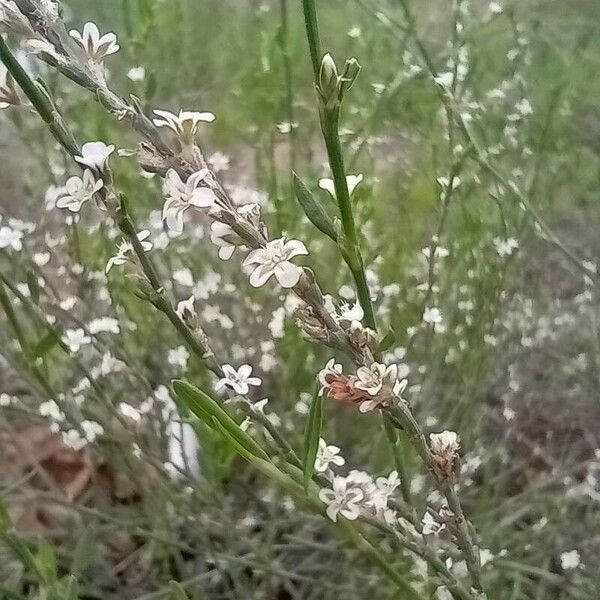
x=328 y=81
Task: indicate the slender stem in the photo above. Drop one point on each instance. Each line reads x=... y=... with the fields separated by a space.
x=312 y=33
x=329 y=118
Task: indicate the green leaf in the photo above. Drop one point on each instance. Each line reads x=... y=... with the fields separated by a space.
x=313 y=209
x=45 y=559
x=34 y=286
x=387 y=341
x=48 y=341
x=176 y=591
x=312 y=434
x=205 y=408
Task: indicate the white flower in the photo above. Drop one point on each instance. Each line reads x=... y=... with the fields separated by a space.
x=352 y=182
x=239 y=380
x=219 y=162
x=97 y=47
x=570 y=560
x=75 y=338
x=130 y=412
x=327 y=455
x=274 y=259
x=104 y=325
x=371 y=379
x=11 y=238
x=178 y=357
x=432 y=315
x=79 y=190
x=331 y=369
x=186 y=308
x=91 y=430
x=136 y=74
x=181 y=196
x=125 y=249
x=430 y=525
x=185 y=124
x=51 y=410
x=341 y=499
x=95 y=155
x=505 y=247
x=444 y=443
x=221 y=235
x=9 y=96
x=495 y=8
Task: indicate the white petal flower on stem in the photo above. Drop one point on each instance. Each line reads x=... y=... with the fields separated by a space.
x=274 y=259
x=429 y=525
x=79 y=190
x=181 y=196
x=185 y=124
x=352 y=182
x=186 y=308
x=331 y=369
x=239 y=380
x=370 y=379
x=221 y=235
x=75 y=338
x=11 y=239
x=178 y=357
x=445 y=442
x=570 y=560
x=96 y=47
x=125 y=250
x=327 y=455
x=95 y=155
x=136 y=74
x=341 y=499
x=432 y=315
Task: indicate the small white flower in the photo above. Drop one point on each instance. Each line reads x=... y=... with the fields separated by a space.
x=125 y=250
x=341 y=499
x=432 y=315
x=331 y=369
x=136 y=74
x=495 y=8
x=130 y=412
x=222 y=235
x=79 y=190
x=75 y=338
x=51 y=410
x=570 y=560
x=95 y=155
x=327 y=455
x=219 y=162
x=185 y=124
x=352 y=182
x=11 y=238
x=274 y=259
x=91 y=430
x=371 y=379
x=505 y=247
x=178 y=357
x=104 y=325
x=444 y=443
x=430 y=525
x=96 y=47
x=239 y=380
x=185 y=308
x=181 y=196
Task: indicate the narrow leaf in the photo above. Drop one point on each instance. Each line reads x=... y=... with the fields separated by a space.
x=387 y=341
x=46 y=343
x=313 y=209
x=205 y=408
x=312 y=434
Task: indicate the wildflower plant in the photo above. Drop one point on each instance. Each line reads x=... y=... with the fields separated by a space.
x=215 y=400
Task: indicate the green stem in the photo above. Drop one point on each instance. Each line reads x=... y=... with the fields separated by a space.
x=329 y=118
x=40 y=101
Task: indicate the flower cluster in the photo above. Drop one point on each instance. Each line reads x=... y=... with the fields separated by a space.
x=356 y=494
x=370 y=388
